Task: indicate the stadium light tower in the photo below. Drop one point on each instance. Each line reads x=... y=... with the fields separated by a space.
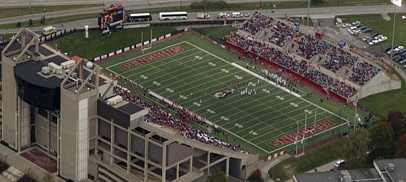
x=397 y=3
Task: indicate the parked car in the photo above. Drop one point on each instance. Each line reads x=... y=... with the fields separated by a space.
x=356 y=23
x=364 y=27
x=367 y=30
x=400 y=52
x=399 y=48
x=339 y=163
x=383 y=38
x=374 y=34
x=373 y=42
x=387 y=48
x=366 y=38
x=397 y=58
x=345 y=25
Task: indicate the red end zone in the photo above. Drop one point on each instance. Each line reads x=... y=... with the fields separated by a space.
x=151 y=58
x=310 y=130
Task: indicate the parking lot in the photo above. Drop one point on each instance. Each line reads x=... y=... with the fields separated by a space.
x=336 y=33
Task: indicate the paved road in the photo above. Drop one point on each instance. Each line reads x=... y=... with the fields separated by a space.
x=137 y=4
x=315 y=13
x=142 y=4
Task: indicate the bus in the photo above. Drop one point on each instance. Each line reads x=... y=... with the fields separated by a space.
x=139 y=17
x=182 y=15
x=236 y=15
x=48 y=30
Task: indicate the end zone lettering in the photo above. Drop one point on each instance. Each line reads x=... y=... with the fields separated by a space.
x=302 y=132
x=152 y=57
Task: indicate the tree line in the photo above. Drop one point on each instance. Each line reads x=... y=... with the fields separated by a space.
x=386 y=140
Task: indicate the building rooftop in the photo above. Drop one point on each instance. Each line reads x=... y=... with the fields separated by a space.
x=329 y=176
x=30 y=71
x=393 y=170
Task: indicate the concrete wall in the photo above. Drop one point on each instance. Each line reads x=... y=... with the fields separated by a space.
x=9 y=112
x=68 y=135
x=380 y=83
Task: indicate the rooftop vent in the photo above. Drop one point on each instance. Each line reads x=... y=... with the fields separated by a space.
x=391 y=166
x=45 y=70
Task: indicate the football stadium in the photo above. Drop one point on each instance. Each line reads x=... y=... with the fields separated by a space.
x=177 y=106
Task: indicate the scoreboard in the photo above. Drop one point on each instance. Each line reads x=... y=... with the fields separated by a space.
x=111 y=17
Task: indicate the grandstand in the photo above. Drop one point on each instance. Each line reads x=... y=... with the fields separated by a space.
x=336 y=71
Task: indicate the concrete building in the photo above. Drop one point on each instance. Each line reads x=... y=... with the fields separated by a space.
x=68 y=111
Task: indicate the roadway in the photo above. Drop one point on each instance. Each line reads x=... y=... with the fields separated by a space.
x=140 y=4
x=315 y=13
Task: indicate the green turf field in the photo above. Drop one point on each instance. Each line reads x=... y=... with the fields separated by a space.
x=198 y=70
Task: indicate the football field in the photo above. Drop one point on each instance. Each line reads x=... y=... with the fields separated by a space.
x=251 y=111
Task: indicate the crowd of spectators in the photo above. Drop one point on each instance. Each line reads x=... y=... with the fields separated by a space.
x=319 y=78
x=338 y=59
x=181 y=122
x=362 y=72
x=256 y=23
x=307 y=47
x=281 y=33
x=341 y=88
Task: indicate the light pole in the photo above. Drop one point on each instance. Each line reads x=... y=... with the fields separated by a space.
x=308 y=12
x=44 y=12
x=274 y=7
x=393 y=34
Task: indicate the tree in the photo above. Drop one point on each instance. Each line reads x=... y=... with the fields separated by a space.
x=217 y=175
x=30 y=22
x=42 y=21
x=401 y=147
x=355 y=148
x=18 y=24
x=382 y=144
x=398 y=122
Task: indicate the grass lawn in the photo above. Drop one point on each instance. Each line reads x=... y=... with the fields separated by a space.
x=97 y=44
x=11 y=12
x=216 y=33
x=307 y=162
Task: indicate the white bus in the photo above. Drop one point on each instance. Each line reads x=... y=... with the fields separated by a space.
x=48 y=30
x=236 y=15
x=139 y=17
x=182 y=15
